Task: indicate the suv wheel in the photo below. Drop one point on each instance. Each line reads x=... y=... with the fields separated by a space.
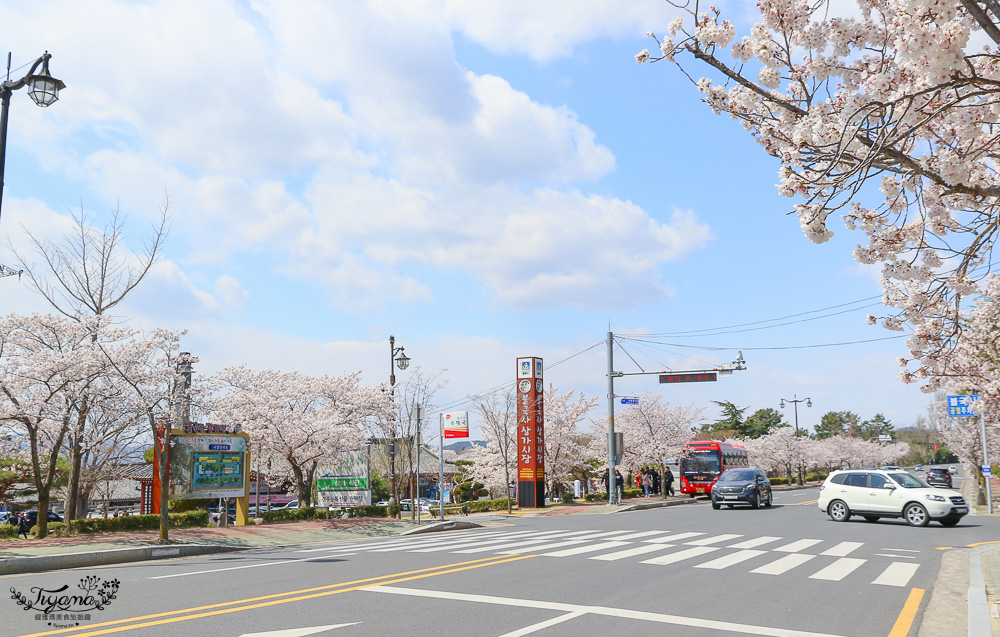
x=755 y=503
x=716 y=505
x=949 y=521
x=839 y=511
x=770 y=497
x=916 y=515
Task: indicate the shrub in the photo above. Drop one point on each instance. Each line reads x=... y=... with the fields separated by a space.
x=368 y=512
x=393 y=510
x=149 y=522
x=567 y=498
x=7 y=531
x=290 y=515
x=778 y=480
x=596 y=497
x=632 y=493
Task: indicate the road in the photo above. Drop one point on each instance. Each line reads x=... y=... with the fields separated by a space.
x=683 y=570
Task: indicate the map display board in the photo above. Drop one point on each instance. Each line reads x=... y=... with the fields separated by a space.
x=208 y=466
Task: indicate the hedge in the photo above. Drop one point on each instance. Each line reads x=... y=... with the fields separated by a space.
x=368 y=512
x=292 y=515
x=567 y=498
x=150 y=522
x=7 y=531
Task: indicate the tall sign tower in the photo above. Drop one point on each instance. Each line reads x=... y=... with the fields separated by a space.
x=530 y=433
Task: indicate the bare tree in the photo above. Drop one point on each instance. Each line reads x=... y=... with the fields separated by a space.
x=89 y=273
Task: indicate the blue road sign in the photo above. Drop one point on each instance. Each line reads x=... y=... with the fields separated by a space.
x=960 y=406
x=986 y=469
x=630 y=401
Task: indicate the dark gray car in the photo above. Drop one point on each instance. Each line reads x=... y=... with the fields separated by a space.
x=742 y=486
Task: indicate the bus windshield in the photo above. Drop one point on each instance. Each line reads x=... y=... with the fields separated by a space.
x=700 y=461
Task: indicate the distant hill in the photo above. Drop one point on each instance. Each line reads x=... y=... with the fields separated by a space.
x=465 y=444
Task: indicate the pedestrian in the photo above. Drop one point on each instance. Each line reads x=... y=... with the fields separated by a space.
x=656 y=480
x=638 y=478
x=668 y=482
x=604 y=480
x=619 y=484
x=22 y=525
x=647 y=484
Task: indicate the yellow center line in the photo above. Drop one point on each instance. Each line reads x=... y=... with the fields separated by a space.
x=906 y=616
x=362 y=583
x=966 y=546
x=807 y=502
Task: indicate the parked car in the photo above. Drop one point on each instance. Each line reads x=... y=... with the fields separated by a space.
x=32 y=517
x=953 y=469
x=876 y=493
x=919 y=467
x=742 y=486
x=939 y=477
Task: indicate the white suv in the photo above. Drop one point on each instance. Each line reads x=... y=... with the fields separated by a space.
x=877 y=493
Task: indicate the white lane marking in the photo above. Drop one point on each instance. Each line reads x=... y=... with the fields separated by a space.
x=729 y=560
x=408 y=540
x=674 y=538
x=783 y=565
x=838 y=570
x=298 y=632
x=639 y=550
x=797 y=546
x=843 y=549
x=635 y=536
x=468 y=543
x=897 y=574
x=686 y=554
x=886 y=548
x=236 y=568
x=714 y=539
x=600 y=546
x=621 y=613
x=754 y=543
x=534 y=628
x=908 y=557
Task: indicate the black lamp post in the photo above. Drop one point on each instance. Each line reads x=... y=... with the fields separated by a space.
x=44 y=90
x=795 y=401
x=402 y=361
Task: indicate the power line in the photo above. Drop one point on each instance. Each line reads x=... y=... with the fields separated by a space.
x=818 y=345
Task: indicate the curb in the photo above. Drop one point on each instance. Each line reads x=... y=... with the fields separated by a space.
x=39 y=563
x=641 y=506
x=447 y=525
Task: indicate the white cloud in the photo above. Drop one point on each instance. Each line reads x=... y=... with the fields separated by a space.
x=230 y=292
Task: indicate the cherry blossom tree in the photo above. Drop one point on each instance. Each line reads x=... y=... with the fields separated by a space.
x=88 y=273
x=652 y=430
x=153 y=390
x=886 y=117
x=565 y=443
x=498 y=459
x=299 y=419
x=47 y=367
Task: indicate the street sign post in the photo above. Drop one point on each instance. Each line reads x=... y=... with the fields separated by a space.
x=630 y=401
x=961 y=406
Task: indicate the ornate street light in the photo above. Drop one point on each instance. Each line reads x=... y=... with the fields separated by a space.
x=795 y=401
x=401 y=361
x=44 y=90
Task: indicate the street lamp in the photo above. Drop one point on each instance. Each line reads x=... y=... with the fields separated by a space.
x=44 y=90
x=402 y=361
x=795 y=401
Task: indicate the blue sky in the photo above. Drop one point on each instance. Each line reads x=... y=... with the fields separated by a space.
x=482 y=180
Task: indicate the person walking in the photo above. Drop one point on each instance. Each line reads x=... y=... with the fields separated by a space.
x=656 y=481
x=22 y=525
x=647 y=483
x=604 y=480
x=619 y=485
x=668 y=482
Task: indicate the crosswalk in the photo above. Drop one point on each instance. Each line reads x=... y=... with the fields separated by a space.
x=811 y=558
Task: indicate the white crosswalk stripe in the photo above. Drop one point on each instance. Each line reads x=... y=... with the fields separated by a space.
x=783 y=565
x=838 y=570
x=897 y=574
x=843 y=549
x=827 y=560
x=733 y=558
x=686 y=554
x=754 y=543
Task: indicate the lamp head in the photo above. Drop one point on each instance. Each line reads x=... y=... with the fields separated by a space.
x=809 y=402
x=44 y=89
x=402 y=361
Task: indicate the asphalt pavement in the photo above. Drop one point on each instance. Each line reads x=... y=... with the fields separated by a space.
x=570 y=570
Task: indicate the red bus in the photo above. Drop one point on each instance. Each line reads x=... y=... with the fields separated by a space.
x=703 y=461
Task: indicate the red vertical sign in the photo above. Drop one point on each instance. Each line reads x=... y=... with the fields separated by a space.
x=530 y=433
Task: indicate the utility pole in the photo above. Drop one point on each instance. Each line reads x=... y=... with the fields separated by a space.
x=986 y=466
